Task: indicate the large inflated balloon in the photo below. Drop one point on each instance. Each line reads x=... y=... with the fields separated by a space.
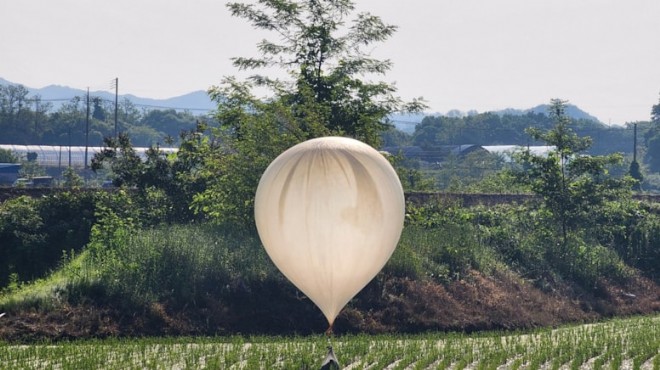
x=330 y=212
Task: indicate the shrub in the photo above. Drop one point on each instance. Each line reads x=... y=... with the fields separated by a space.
x=23 y=239
x=35 y=232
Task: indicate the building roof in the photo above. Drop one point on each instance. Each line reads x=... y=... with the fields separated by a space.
x=9 y=167
x=59 y=156
x=508 y=150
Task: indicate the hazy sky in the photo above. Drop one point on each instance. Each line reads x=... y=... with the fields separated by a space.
x=602 y=55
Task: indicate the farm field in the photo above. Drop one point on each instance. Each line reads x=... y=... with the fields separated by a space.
x=632 y=343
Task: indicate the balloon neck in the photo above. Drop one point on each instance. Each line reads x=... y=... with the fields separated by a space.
x=329 y=332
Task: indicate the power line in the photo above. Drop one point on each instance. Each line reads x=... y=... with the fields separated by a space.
x=33 y=100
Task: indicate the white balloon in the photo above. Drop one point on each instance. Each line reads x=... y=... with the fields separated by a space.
x=329 y=213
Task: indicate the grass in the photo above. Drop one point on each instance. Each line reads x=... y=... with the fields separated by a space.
x=633 y=341
x=48 y=291
x=177 y=262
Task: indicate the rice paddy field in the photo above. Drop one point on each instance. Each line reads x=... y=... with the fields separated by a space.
x=632 y=343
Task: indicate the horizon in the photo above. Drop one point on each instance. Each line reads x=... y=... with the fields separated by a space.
x=469 y=55
x=450 y=112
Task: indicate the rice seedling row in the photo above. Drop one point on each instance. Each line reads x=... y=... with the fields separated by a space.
x=632 y=343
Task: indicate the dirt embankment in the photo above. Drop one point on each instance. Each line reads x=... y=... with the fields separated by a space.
x=476 y=302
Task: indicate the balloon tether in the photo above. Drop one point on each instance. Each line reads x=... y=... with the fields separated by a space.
x=328 y=332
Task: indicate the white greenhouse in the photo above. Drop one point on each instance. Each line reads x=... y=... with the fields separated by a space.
x=65 y=156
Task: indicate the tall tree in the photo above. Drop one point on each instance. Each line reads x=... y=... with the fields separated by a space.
x=325 y=56
x=328 y=62
x=99 y=112
x=655 y=113
x=573 y=185
x=14 y=114
x=67 y=123
x=653 y=140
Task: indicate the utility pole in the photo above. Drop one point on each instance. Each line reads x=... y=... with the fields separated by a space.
x=36 y=115
x=116 y=105
x=635 y=142
x=87 y=132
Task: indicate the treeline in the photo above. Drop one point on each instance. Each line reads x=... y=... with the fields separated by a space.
x=27 y=120
x=510 y=129
x=432 y=148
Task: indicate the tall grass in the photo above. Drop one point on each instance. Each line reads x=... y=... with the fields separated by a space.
x=182 y=263
x=176 y=263
x=75 y=271
x=441 y=253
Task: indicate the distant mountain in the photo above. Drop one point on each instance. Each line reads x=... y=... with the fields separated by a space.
x=198 y=102
x=571 y=111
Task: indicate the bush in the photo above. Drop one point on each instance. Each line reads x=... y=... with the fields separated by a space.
x=35 y=232
x=23 y=240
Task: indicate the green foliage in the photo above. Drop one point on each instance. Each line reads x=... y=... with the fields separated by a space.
x=171 y=179
x=16 y=118
x=71 y=179
x=636 y=236
x=30 y=169
x=448 y=240
x=22 y=237
x=393 y=137
x=509 y=129
x=653 y=151
x=178 y=264
x=251 y=139
x=6 y=156
x=327 y=62
x=480 y=129
x=34 y=232
x=326 y=95
x=501 y=182
x=127 y=257
x=635 y=173
x=655 y=113
x=169 y=123
x=573 y=186
x=410 y=174
x=124 y=163
x=459 y=173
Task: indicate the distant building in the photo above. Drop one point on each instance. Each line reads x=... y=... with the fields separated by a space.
x=506 y=151
x=434 y=154
x=440 y=153
x=9 y=173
